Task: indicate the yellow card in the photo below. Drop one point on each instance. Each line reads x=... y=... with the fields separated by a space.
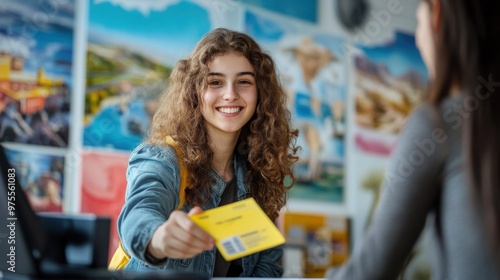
x=239 y=229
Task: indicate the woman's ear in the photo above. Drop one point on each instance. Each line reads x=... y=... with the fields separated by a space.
x=436 y=16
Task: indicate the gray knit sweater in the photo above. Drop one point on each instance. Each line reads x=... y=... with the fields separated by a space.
x=426 y=177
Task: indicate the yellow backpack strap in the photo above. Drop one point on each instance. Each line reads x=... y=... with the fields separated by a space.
x=121 y=258
x=183 y=170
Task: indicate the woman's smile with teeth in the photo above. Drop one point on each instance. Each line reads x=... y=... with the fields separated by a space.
x=229 y=110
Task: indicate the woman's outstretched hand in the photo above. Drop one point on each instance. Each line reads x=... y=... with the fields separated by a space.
x=179 y=237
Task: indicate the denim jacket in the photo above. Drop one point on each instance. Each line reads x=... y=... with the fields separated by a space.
x=152 y=194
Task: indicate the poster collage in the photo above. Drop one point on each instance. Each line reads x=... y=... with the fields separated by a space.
x=334 y=96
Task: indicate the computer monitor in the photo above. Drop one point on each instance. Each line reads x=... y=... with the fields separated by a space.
x=34 y=244
x=75 y=241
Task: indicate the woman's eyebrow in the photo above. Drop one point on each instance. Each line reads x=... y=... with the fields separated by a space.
x=238 y=74
x=216 y=74
x=246 y=73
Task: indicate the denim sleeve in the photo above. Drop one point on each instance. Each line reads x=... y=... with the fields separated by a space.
x=152 y=194
x=269 y=263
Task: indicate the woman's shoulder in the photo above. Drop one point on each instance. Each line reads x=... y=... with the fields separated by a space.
x=428 y=113
x=421 y=117
x=154 y=152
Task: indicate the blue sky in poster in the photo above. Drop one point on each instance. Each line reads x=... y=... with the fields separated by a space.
x=301 y=9
x=268 y=31
x=171 y=31
x=400 y=55
x=264 y=29
x=42 y=34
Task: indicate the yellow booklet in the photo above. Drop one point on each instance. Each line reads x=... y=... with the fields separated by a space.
x=239 y=229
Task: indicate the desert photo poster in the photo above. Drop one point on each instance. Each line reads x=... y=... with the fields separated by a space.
x=311 y=68
x=389 y=81
x=36 y=58
x=129 y=58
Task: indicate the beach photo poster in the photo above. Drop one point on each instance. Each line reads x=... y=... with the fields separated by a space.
x=311 y=68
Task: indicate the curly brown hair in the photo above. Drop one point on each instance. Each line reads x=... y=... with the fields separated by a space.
x=267 y=141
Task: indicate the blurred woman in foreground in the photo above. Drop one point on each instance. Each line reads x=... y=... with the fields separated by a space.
x=446 y=166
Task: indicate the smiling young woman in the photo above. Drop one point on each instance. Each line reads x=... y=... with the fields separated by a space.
x=226 y=110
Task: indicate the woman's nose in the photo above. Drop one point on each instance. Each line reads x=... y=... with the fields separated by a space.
x=230 y=93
